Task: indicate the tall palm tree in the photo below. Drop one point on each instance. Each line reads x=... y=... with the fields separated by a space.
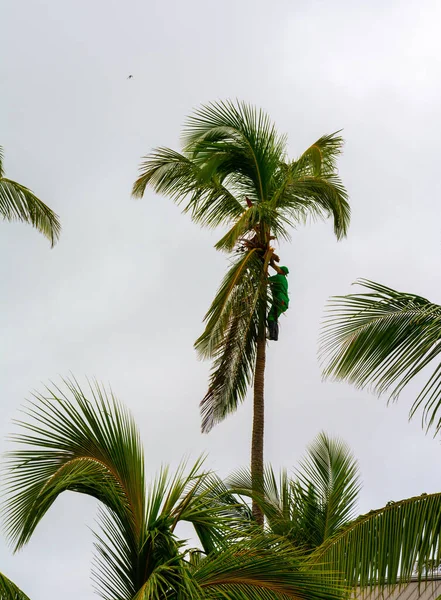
x=9 y=591
x=316 y=512
x=383 y=339
x=92 y=446
x=18 y=203
x=234 y=171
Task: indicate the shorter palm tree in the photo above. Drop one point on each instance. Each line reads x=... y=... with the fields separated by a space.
x=93 y=447
x=315 y=512
x=18 y=203
x=383 y=339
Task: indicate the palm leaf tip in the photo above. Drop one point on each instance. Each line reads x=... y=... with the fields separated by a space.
x=9 y=591
x=216 y=405
x=2 y=173
x=144 y=178
x=207 y=420
x=18 y=203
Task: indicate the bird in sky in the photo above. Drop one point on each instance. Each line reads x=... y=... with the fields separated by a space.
x=130 y=77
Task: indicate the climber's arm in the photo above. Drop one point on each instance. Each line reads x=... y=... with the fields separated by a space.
x=276 y=268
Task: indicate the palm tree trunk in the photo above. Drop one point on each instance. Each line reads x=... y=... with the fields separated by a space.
x=258 y=424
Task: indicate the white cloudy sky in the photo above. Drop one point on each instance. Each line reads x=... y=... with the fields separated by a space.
x=121 y=297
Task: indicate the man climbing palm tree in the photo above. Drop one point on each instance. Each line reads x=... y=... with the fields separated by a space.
x=279 y=291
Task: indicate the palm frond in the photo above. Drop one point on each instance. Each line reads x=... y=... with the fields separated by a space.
x=175 y=175
x=383 y=339
x=388 y=545
x=243 y=140
x=263 y=566
x=320 y=159
x=331 y=472
x=312 y=508
x=211 y=508
x=301 y=197
x=2 y=172
x=233 y=324
x=81 y=446
x=245 y=224
x=231 y=300
x=18 y=203
x=258 y=216
x=169 y=580
x=8 y=589
x=196 y=497
x=281 y=500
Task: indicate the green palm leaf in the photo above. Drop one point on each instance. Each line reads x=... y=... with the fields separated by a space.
x=280 y=500
x=18 y=203
x=309 y=187
x=264 y=566
x=8 y=590
x=232 y=325
x=320 y=159
x=330 y=469
x=316 y=198
x=240 y=141
x=383 y=339
x=311 y=508
x=76 y=445
x=388 y=545
x=86 y=447
x=176 y=175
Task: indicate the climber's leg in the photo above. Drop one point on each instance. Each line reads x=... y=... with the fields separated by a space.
x=272 y=323
x=272 y=329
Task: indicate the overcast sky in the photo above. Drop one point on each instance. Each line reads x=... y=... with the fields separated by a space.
x=122 y=296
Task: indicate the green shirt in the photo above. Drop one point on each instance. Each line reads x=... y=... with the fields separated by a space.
x=279 y=287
